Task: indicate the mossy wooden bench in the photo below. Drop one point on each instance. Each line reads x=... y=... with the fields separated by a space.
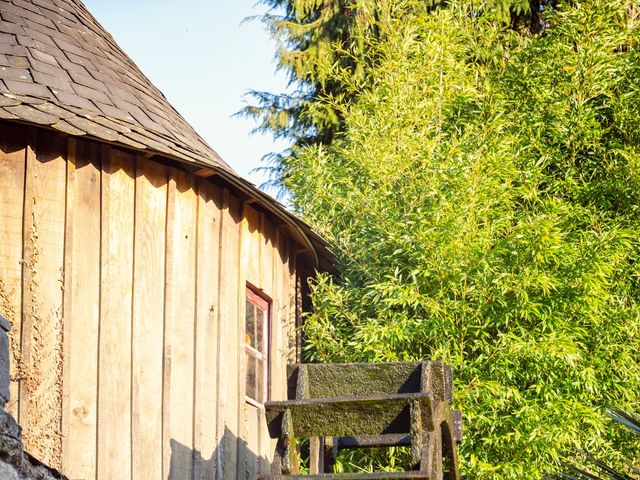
x=363 y=405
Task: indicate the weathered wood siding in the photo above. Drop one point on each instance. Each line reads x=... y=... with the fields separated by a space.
x=125 y=281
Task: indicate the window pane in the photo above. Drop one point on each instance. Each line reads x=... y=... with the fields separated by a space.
x=250 y=324
x=261 y=390
x=257 y=346
x=252 y=380
x=259 y=329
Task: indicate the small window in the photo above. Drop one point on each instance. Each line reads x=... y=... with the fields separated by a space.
x=256 y=345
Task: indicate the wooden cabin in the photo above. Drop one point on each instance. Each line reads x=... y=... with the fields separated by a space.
x=154 y=295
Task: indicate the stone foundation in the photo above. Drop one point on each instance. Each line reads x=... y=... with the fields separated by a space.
x=15 y=463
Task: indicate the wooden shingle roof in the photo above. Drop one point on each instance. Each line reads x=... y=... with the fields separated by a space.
x=61 y=69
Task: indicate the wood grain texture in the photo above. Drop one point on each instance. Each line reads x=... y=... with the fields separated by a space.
x=250 y=247
x=167 y=327
x=283 y=327
x=148 y=319
x=208 y=305
x=12 y=168
x=67 y=304
x=280 y=324
x=43 y=263
x=181 y=318
x=267 y=283
x=249 y=463
x=228 y=373
x=114 y=397
x=248 y=444
x=132 y=298
x=82 y=311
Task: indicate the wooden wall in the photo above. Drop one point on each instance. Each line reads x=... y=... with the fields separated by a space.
x=124 y=281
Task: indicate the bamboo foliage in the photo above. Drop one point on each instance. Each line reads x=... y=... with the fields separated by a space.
x=593 y=469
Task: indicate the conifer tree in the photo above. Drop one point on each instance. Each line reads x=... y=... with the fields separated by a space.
x=322 y=47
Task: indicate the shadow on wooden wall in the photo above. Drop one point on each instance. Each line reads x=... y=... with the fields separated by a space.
x=189 y=463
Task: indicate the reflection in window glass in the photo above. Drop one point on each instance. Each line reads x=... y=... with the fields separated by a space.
x=252 y=383
x=250 y=336
x=259 y=331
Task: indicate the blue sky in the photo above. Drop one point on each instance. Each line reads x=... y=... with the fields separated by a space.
x=203 y=60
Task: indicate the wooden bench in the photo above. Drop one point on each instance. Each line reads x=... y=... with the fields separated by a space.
x=363 y=405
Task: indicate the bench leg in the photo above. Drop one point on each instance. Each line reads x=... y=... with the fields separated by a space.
x=316 y=455
x=286 y=459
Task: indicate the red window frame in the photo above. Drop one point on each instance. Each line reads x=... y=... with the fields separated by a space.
x=257 y=326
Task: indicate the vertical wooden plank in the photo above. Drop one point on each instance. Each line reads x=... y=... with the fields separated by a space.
x=168 y=328
x=205 y=439
x=67 y=304
x=114 y=398
x=298 y=273
x=278 y=358
x=250 y=246
x=248 y=444
x=268 y=284
x=82 y=310
x=281 y=316
x=228 y=341
x=148 y=319
x=267 y=232
x=12 y=168
x=181 y=316
x=41 y=392
x=295 y=306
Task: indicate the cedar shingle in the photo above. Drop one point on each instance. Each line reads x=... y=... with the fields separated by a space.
x=54 y=51
x=27 y=6
x=72 y=67
x=10 y=18
x=91 y=93
x=87 y=81
x=38 y=27
x=45 y=57
x=69 y=47
x=30 y=88
x=27 y=100
x=11 y=61
x=6 y=27
x=27 y=41
x=66 y=128
x=39 y=36
x=114 y=112
x=68 y=98
x=8 y=102
x=17 y=50
x=8 y=38
x=30 y=114
x=85 y=62
x=52 y=81
x=7 y=115
x=105 y=122
x=49 y=69
x=92 y=128
x=54 y=110
x=12 y=73
x=71 y=30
